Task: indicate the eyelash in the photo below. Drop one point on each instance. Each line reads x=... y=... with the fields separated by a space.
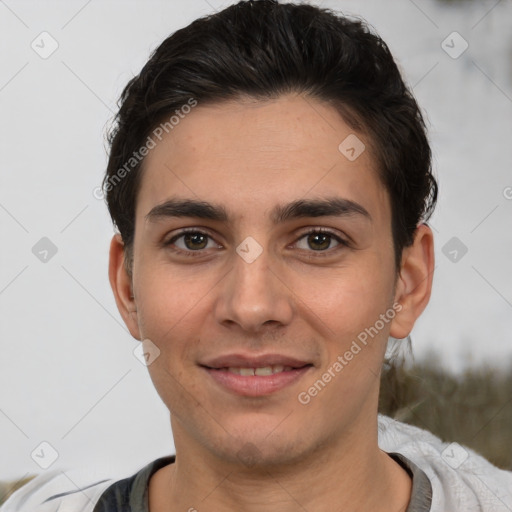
x=192 y=254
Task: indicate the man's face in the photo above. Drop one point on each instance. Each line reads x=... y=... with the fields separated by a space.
x=263 y=287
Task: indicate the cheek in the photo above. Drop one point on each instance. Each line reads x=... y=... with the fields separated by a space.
x=347 y=300
x=168 y=299
x=170 y=315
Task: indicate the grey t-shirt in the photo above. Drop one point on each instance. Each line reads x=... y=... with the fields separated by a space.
x=421 y=493
x=131 y=494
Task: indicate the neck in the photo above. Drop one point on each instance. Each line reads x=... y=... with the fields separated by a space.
x=351 y=474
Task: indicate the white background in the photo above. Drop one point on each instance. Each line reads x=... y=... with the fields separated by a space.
x=67 y=372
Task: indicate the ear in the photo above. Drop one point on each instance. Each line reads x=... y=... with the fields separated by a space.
x=414 y=283
x=121 y=283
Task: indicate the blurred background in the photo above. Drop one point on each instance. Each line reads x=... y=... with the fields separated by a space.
x=72 y=392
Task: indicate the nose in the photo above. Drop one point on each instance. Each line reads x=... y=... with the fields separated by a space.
x=254 y=296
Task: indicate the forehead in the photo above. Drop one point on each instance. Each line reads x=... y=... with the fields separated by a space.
x=251 y=155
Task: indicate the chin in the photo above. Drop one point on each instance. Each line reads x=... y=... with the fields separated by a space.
x=258 y=444
x=262 y=456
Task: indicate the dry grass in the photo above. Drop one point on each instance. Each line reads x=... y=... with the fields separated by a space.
x=473 y=409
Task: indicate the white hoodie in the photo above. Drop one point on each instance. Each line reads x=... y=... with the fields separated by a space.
x=461 y=480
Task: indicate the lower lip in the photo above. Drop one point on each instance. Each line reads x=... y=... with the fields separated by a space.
x=256 y=385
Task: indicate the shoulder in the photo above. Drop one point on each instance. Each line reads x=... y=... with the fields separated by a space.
x=461 y=479
x=85 y=490
x=76 y=490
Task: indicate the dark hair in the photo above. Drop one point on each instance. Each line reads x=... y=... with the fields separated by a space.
x=262 y=49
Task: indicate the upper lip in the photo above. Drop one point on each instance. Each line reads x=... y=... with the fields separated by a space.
x=253 y=361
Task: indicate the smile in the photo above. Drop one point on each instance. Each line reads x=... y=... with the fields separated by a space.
x=256 y=380
x=260 y=371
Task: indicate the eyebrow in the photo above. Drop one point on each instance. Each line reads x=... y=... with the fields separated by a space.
x=333 y=206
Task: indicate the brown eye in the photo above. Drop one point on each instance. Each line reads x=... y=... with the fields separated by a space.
x=195 y=241
x=318 y=241
x=191 y=241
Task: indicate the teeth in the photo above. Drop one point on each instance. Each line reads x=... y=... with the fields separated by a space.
x=267 y=370
x=262 y=372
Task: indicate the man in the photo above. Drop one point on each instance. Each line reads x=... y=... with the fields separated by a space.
x=270 y=178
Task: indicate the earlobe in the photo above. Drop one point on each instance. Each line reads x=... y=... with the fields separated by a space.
x=121 y=283
x=414 y=283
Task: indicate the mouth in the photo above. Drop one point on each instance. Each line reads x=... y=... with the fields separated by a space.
x=255 y=376
x=260 y=371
